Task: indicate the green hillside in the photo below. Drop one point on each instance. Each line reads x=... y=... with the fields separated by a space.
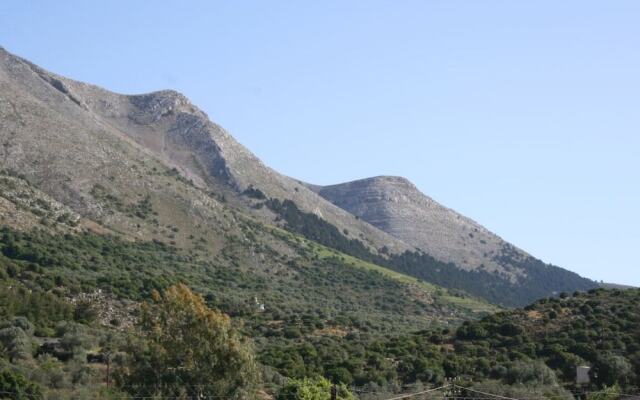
x=600 y=329
x=67 y=291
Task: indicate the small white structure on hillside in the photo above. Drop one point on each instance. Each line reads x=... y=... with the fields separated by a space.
x=259 y=305
x=582 y=375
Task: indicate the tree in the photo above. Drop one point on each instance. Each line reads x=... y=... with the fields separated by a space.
x=312 y=389
x=85 y=312
x=187 y=350
x=15 y=386
x=16 y=342
x=340 y=374
x=612 y=369
x=531 y=372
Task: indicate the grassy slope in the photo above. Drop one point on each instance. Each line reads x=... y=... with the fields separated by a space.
x=465 y=302
x=312 y=294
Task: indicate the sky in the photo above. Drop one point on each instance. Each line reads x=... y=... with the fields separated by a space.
x=523 y=115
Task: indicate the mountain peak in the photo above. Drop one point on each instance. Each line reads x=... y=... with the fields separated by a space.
x=396 y=206
x=377 y=179
x=162 y=124
x=387 y=179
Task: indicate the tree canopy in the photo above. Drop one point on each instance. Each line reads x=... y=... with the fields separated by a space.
x=188 y=350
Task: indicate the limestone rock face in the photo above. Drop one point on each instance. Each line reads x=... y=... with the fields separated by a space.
x=397 y=207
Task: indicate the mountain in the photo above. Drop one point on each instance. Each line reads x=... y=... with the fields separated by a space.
x=396 y=206
x=163 y=125
x=607 y=285
x=107 y=198
x=154 y=167
x=152 y=170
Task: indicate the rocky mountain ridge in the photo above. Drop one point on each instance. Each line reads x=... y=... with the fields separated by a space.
x=396 y=206
x=154 y=167
x=164 y=125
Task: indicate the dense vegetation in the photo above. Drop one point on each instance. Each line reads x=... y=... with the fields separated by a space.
x=599 y=329
x=66 y=298
x=317 y=388
x=536 y=347
x=179 y=349
x=50 y=265
x=317 y=229
x=542 y=279
x=48 y=336
x=311 y=314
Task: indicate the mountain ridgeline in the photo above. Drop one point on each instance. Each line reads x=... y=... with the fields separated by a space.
x=154 y=167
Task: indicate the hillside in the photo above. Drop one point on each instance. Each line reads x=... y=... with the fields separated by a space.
x=67 y=253
x=600 y=329
x=397 y=207
x=500 y=271
x=69 y=286
x=525 y=353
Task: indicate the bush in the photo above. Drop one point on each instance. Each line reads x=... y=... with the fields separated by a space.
x=530 y=372
x=340 y=375
x=292 y=332
x=15 y=386
x=612 y=369
x=16 y=342
x=312 y=389
x=85 y=312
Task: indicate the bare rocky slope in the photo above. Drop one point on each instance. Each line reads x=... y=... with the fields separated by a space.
x=163 y=125
x=397 y=207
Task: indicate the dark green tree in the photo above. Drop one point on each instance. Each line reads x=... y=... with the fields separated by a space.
x=14 y=385
x=312 y=389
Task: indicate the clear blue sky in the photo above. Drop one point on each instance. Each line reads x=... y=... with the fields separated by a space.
x=523 y=115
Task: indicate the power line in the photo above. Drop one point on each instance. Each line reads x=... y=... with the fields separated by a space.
x=485 y=393
x=481 y=395
x=418 y=393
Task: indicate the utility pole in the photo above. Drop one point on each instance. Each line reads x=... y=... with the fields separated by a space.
x=451 y=390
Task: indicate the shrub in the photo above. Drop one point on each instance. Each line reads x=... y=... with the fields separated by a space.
x=15 y=386
x=312 y=389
